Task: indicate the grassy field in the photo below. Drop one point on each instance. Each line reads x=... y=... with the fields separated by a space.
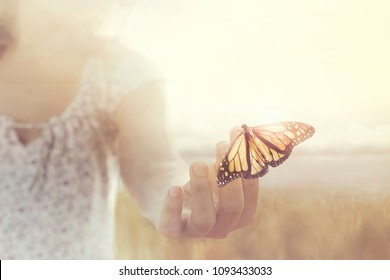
x=292 y=223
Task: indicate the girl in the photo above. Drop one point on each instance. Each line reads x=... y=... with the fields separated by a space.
x=74 y=105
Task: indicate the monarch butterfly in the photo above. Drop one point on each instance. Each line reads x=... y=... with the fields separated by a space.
x=257 y=147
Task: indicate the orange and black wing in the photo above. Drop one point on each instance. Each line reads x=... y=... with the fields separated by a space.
x=236 y=162
x=256 y=148
x=276 y=141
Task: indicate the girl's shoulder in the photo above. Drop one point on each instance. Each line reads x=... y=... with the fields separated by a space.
x=122 y=71
x=124 y=64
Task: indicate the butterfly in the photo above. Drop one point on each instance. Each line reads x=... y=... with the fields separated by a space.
x=257 y=147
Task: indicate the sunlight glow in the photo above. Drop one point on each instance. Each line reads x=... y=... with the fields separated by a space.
x=255 y=62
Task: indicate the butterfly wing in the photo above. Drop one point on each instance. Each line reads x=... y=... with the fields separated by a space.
x=276 y=141
x=256 y=148
x=235 y=163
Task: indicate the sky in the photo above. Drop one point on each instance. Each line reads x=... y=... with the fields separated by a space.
x=228 y=62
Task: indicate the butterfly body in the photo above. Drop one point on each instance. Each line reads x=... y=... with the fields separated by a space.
x=257 y=147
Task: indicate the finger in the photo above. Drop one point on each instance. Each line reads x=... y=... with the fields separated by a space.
x=230 y=201
x=251 y=192
x=230 y=207
x=170 y=218
x=202 y=218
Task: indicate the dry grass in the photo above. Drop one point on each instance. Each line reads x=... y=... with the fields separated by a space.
x=292 y=223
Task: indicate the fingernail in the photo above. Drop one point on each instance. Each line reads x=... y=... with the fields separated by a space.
x=200 y=169
x=174 y=192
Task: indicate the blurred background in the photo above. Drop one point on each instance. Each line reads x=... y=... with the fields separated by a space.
x=326 y=63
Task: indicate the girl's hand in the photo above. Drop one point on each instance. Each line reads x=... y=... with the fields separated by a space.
x=202 y=209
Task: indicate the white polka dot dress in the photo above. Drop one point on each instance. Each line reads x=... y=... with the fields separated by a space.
x=57 y=192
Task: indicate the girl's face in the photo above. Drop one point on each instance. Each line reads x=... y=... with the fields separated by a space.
x=70 y=24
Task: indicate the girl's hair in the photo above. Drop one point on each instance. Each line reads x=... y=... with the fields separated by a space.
x=9 y=24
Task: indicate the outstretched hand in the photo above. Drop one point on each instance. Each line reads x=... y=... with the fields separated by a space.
x=202 y=209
